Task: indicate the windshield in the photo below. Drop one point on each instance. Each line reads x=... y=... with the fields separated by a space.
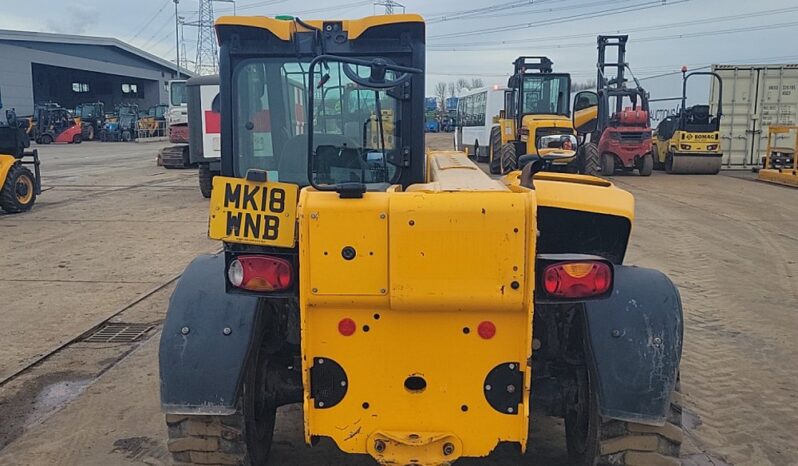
x=270 y=115
x=546 y=94
x=177 y=93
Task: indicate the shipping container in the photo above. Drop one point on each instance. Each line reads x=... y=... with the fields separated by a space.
x=754 y=97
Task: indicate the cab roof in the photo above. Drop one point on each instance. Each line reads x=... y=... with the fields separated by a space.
x=284 y=29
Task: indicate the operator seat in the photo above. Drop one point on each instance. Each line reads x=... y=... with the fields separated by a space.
x=293 y=164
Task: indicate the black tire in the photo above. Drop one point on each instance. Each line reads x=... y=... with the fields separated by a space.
x=90 y=133
x=241 y=438
x=509 y=158
x=205 y=180
x=477 y=156
x=18 y=192
x=494 y=159
x=77 y=139
x=125 y=136
x=669 y=163
x=646 y=165
x=607 y=164
x=588 y=159
x=595 y=441
x=45 y=139
x=186 y=158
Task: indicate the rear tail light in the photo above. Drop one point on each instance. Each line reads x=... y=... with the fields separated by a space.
x=685 y=146
x=712 y=147
x=260 y=273
x=581 y=279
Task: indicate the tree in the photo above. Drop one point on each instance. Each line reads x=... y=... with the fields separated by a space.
x=587 y=85
x=462 y=84
x=476 y=82
x=452 y=86
x=440 y=91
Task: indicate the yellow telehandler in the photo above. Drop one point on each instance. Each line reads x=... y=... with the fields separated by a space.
x=19 y=186
x=349 y=281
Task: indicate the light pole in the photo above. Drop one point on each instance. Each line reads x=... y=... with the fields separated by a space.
x=177 y=38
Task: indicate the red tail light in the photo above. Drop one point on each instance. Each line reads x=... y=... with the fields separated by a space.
x=260 y=273
x=577 y=279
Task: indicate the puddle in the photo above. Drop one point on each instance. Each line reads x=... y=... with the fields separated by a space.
x=54 y=397
x=37 y=399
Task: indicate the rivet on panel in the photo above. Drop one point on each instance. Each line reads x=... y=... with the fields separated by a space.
x=227 y=331
x=314 y=215
x=315 y=290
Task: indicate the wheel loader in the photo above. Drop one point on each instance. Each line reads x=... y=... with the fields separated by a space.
x=349 y=281
x=536 y=106
x=19 y=186
x=689 y=142
x=619 y=133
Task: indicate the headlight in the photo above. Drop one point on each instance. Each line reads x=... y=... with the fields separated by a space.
x=685 y=146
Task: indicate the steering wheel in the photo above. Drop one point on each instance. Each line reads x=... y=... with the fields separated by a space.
x=378 y=67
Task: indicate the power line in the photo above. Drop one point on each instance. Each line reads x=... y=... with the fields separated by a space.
x=659 y=38
x=608 y=12
x=142 y=28
x=449 y=16
x=536 y=40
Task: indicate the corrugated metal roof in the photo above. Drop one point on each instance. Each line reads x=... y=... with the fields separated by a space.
x=68 y=39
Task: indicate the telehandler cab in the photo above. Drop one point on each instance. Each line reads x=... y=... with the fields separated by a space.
x=617 y=131
x=689 y=142
x=535 y=124
x=349 y=281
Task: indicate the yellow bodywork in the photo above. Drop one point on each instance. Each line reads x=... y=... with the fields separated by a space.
x=284 y=30
x=415 y=284
x=583 y=117
x=417 y=290
x=6 y=162
x=785 y=175
x=688 y=143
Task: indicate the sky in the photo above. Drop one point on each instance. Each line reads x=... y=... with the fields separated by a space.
x=470 y=38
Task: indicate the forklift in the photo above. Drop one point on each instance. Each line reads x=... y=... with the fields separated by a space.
x=55 y=124
x=689 y=142
x=618 y=130
x=535 y=121
x=18 y=185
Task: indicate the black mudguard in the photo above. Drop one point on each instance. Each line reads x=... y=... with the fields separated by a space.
x=206 y=341
x=635 y=345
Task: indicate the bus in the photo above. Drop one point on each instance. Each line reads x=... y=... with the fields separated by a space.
x=478 y=112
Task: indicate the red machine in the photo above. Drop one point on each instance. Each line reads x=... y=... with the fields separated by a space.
x=621 y=129
x=56 y=124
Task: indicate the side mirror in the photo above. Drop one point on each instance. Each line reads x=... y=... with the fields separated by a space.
x=556 y=146
x=585 y=112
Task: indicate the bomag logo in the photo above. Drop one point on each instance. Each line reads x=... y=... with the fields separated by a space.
x=705 y=137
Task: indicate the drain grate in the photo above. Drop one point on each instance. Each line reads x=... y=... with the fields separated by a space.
x=118 y=333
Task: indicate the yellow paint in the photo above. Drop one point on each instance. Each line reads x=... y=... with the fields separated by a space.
x=424 y=283
x=585 y=116
x=788 y=175
x=284 y=30
x=6 y=161
x=700 y=144
x=578 y=192
x=267 y=217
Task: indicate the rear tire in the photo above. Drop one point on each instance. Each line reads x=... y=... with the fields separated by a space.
x=494 y=163
x=607 y=164
x=646 y=165
x=18 y=192
x=45 y=139
x=509 y=158
x=589 y=161
x=205 y=180
x=596 y=441
x=241 y=438
x=77 y=139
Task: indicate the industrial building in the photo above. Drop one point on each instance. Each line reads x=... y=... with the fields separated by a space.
x=40 y=67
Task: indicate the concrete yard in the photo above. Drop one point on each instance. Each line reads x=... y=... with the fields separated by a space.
x=112 y=231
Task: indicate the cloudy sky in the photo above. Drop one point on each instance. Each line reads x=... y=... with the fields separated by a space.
x=471 y=38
